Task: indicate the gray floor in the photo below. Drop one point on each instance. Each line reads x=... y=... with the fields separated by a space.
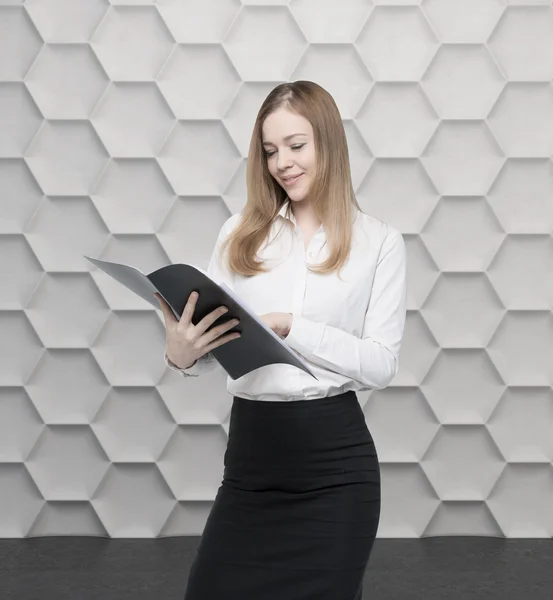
x=69 y=568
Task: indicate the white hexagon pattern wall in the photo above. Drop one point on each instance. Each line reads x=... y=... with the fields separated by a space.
x=124 y=131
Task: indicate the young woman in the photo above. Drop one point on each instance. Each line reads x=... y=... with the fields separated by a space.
x=298 y=509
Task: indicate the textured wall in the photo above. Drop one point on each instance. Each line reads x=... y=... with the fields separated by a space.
x=124 y=129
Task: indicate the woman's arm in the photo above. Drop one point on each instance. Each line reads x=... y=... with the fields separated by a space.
x=372 y=360
x=219 y=272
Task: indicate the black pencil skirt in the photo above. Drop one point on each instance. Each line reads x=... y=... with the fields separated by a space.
x=297 y=512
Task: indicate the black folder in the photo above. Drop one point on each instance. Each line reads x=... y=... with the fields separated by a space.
x=258 y=344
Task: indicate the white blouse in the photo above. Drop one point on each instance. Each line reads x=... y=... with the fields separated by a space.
x=348 y=328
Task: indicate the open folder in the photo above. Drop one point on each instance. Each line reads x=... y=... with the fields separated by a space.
x=258 y=344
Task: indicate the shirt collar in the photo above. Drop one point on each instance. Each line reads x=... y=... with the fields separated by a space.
x=286 y=204
x=284 y=207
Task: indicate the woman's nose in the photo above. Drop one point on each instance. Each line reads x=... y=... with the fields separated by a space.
x=283 y=160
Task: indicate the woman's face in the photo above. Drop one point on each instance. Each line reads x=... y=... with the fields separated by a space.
x=289 y=155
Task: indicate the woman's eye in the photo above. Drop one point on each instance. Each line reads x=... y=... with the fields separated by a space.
x=296 y=147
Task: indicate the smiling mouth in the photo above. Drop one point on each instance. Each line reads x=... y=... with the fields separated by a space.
x=292 y=181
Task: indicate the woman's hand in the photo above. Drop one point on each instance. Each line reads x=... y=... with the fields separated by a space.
x=279 y=322
x=186 y=342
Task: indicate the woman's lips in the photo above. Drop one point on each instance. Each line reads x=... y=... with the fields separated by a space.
x=292 y=181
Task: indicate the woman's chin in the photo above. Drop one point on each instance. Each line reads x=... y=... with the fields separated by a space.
x=297 y=195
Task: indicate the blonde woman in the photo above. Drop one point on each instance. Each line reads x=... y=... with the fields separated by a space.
x=298 y=509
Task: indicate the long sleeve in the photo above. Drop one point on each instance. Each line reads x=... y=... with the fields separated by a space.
x=372 y=360
x=219 y=272
x=204 y=364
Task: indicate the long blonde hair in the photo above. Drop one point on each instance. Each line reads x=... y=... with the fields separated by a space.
x=331 y=193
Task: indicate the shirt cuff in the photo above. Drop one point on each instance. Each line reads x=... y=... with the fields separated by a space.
x=192 y=371
x=305 y=336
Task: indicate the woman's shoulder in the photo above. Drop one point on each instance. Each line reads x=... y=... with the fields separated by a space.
x=229 y=225
x=376 y=231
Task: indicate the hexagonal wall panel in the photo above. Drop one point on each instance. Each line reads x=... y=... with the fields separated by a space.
x=185 y=158
x=201 y=21
x=21 y=195
x=445 y=234
x=397 y=43
x=132 y=43
x=192 y=95
x=462 y=158
x=67 y=20
x=125 y=127
x=463 y=82
x=522 y=119
x=66 y=80
x=522 y=42
x=133 y=120
x=340 y=70
x=19 y=119
x=397 y=120
x=20 y=42
x=463 y=21
x=254 y=43
x=66 y=157
x=521 y=196
x=326 y=21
